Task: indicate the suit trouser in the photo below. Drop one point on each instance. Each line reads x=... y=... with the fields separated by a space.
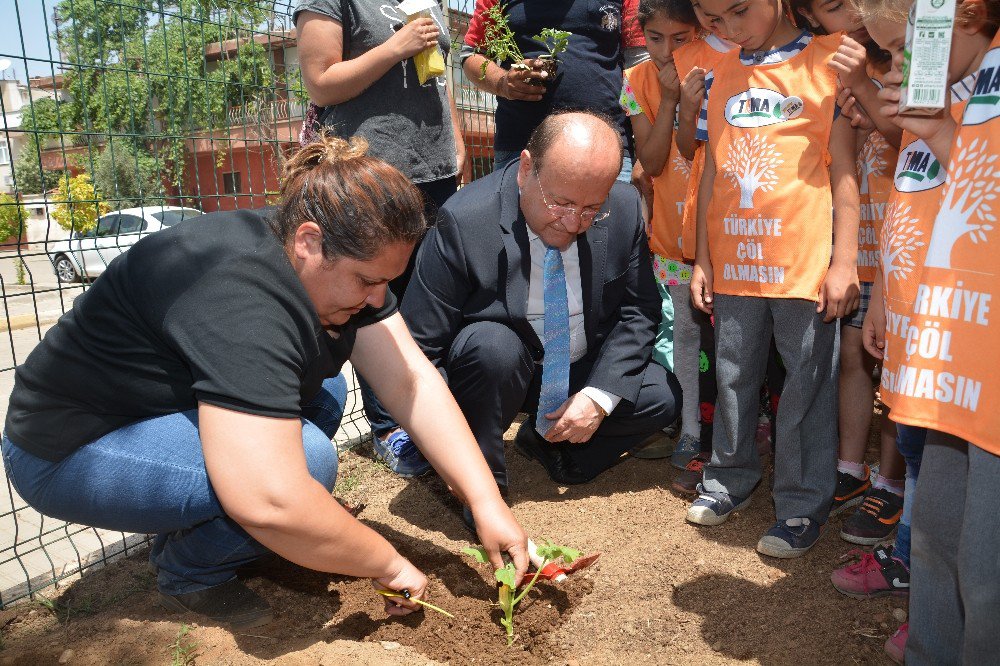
x=955 y=581
x=493 y=376
x=805 y=464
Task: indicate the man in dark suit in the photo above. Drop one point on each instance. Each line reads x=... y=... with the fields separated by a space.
x=535 y=293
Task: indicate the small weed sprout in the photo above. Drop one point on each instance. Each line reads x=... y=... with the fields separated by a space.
x=507 y=594
x=20 y=270
x=183 y=651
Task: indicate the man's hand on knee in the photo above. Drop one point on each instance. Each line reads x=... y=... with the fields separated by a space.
x=576 y=420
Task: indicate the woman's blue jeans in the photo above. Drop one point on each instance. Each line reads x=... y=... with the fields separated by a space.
x=149 y=477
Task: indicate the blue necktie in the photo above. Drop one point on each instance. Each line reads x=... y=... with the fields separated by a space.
x=555 y=341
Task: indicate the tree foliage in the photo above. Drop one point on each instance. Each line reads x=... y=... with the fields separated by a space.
x=127 y=176
x=29 y=176
x=77 y=204
x=138 y=73
x=13 y=217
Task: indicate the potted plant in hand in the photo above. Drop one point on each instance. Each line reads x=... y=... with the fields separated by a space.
x=500 y=45
x=556 y=41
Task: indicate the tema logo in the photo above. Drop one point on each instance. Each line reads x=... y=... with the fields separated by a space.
x=758 y=107
x=984 y=105
x=917 y=169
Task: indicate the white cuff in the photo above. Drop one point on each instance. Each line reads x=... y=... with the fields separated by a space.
x=607 y=401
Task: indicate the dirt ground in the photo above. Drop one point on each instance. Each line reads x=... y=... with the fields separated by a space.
x=664 y=591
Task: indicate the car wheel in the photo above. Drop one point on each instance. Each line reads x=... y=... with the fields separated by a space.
x=65 y=270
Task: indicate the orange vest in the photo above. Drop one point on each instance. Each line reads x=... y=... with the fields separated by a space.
x=770 y=219
x=909 y=217
x=950 y=378
x=705 y=53
x=875 y=185
x=670 y=187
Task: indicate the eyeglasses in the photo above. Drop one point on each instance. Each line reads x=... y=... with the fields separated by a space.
x=589 y=216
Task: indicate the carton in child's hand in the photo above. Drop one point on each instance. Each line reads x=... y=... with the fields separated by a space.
x=925 y=60
x=430 y=62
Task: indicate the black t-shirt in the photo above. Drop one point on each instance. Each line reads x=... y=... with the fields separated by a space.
x=209 y=310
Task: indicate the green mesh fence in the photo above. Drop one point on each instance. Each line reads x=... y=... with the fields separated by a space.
x=120 y=119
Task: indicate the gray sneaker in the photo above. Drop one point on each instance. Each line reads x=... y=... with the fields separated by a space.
x=687 y=447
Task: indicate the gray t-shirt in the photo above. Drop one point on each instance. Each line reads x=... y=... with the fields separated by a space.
x=406 y=124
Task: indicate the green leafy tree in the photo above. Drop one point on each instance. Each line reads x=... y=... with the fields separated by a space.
x=13 y=217
x=78 y=205
x=126 y=175
x=41 y=122
x=140 y=71
x=29 y=177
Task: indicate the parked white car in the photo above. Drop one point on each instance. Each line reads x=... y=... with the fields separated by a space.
x=85 y=256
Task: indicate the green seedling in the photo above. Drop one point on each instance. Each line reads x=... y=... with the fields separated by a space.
x=556 y=41
x=507 y=591
x=498 y=44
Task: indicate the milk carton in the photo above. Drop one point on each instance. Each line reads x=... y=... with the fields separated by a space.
x=430 y=62
x=925 y=60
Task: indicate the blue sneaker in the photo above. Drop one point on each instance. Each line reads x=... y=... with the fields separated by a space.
x=687 y=448
x=713 y=508
x=400 y=455
x=790 y=538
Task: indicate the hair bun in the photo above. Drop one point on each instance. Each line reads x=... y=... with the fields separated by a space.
x=337 y=149
x=327 y=148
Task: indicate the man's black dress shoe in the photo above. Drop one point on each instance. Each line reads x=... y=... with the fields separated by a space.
x=553 y=457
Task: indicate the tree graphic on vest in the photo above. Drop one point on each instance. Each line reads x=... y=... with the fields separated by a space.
x=870 y=162
x=683 y=165
x=900 y=239
x=973 y=181
x=751 y=165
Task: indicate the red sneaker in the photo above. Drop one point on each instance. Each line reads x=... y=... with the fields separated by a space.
x=895 y=646
x=875 y=573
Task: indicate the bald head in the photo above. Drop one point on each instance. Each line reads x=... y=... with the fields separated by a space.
x=579 y=141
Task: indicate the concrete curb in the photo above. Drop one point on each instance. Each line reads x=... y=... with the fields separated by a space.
x=18 y=322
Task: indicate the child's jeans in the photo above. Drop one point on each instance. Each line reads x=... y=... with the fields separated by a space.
x=910 y=442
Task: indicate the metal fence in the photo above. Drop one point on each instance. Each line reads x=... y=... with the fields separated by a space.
x=142 y=107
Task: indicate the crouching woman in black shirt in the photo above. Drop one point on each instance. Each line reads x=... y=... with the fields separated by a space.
x=193 y=390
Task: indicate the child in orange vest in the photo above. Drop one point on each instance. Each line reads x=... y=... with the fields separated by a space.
x=946 y=360
x=685 y=341
x=779 y=177
x=650 y=97
x=860 y=65
x=918 y=181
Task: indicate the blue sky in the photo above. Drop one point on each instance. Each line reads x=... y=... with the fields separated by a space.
x=23 y=34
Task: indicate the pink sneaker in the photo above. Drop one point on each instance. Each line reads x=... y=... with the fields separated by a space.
x=895 y=646
x=874 y=573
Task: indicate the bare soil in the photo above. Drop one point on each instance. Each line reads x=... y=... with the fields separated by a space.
x=664 y=591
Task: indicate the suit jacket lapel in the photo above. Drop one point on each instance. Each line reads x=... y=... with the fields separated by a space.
x=517 y=254
x=593 y=250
